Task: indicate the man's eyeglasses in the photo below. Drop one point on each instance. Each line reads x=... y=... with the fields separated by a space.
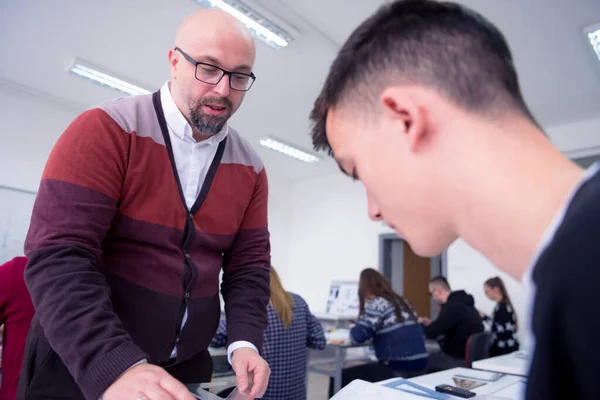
x=211 y=74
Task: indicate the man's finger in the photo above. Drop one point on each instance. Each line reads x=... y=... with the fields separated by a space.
x=176 y=389
x=241 y=374
x=261 y=379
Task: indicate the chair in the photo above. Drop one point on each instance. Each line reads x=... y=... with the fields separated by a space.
x=478 y=348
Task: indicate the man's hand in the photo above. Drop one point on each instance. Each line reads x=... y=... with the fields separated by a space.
x=425 y=321
x=251 y=371
x=148 y=382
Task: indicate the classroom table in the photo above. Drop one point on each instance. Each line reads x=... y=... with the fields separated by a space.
x=338 y=320
x=514 y=363
x=334 y=367
x=507 y=386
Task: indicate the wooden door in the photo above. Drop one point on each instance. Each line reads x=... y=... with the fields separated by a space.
x=416 y=278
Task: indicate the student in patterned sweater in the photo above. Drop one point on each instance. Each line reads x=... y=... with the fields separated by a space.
x=142 y=202
x=504 y=321
x=391 y=322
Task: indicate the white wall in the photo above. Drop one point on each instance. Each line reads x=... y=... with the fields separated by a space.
x=29 y=127
x=331 y=237
x=577 y=138
x=280 y=217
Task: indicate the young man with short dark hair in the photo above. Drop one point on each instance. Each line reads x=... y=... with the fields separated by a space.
x=457 y=321
x=423 y=105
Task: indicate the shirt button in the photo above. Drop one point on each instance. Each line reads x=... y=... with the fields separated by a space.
x=187 y=295
x=177 y=340
x=187 y=256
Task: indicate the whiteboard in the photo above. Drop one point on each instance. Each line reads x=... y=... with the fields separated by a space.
x=15 y=214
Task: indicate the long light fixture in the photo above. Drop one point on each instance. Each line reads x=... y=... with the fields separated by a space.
x=277 y=145
x=261 y=27
x=593 y=35
x=86 y=71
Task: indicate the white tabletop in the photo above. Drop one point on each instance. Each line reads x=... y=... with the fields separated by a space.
x=217 y=351
x=514 y=363
x=501 y=387
x=335 y=317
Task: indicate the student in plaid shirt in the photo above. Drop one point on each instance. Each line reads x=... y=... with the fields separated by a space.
x=292 y=328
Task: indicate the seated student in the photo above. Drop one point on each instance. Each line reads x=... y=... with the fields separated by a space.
x=457 y=321
x=291 y=329
x=504 y=320
x=392 y=323
x=16 y=312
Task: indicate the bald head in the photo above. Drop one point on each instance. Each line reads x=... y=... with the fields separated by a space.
x=215 y=28
x=217 y=41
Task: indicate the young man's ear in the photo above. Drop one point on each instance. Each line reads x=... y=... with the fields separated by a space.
x=401 y=103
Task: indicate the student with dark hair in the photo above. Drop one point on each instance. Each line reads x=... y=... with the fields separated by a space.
x=504 y=320
x=392 y=322
x=423 y=105
x=457 y=321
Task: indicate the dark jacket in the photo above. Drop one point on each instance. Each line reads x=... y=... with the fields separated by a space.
x=565 y=324
x=457 y=321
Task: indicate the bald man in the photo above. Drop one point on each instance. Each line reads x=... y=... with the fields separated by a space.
x=143 y=201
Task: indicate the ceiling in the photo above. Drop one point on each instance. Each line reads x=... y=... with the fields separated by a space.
x=559 y=75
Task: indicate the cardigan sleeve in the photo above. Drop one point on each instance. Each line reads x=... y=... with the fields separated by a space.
x=75 y=205
x=246 y=271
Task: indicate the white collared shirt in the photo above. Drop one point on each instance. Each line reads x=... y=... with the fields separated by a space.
x=192 y=160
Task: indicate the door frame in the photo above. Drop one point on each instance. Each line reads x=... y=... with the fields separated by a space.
x=438 y=265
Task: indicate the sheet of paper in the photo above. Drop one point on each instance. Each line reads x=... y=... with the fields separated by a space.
x=480 y=375
x=514 y=391
x=361 y=390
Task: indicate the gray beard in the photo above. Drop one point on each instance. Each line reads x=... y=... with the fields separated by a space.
x=207 y=124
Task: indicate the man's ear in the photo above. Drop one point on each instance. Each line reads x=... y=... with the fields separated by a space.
x=401 y=103
x=172 y=62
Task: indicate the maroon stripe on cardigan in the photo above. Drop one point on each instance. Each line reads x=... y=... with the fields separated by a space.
x=61 y=216
x=154 y=259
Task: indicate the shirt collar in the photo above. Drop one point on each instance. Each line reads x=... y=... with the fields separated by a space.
x=177 y=122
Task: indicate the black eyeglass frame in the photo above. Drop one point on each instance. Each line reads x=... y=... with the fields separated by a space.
x=224 y=72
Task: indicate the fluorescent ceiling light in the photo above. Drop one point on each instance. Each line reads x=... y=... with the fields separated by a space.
x=261 y=27
x=593 y=35
x=288 y=150
x=86 y=71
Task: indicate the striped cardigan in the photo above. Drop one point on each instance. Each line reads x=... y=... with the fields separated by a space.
x=116 y=257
